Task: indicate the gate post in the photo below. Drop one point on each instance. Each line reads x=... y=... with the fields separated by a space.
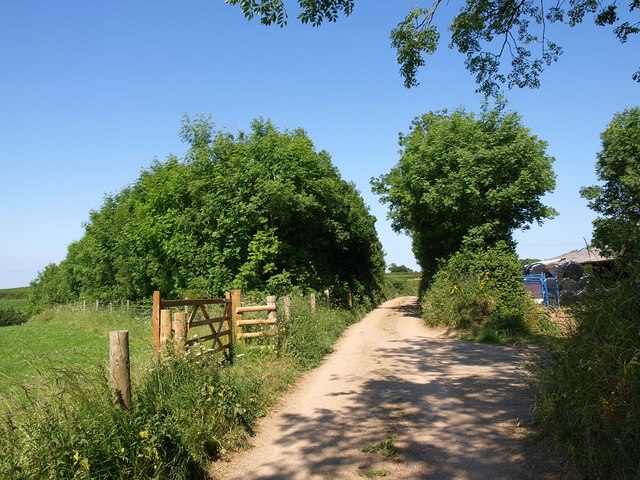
x=236 y=301
x=155 y=321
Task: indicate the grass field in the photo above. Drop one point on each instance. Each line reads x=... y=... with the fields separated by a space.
x=52 y=342
x=399 y=284
x=14 y=297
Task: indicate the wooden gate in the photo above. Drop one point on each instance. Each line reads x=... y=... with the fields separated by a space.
x=221 y=327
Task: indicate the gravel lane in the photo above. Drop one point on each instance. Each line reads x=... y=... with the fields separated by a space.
x=450 y=409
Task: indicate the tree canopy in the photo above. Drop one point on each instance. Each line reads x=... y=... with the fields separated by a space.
x=466 y=181
x=256 y=210
x=488 y=32
x=617 y=200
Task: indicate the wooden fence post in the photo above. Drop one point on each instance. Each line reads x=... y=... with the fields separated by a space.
x=97 y=305
x=84 y=307
x=287 y=308
x=271 y=301
x=155 y=321
x=312 y=302
x=350 y=300
x=120 y=371
x=236 y=301
x=180 y=330
x=165 y=328
x=230 y=327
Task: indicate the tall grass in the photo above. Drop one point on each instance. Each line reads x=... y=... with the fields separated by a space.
x=186 y=410
x=589 y=393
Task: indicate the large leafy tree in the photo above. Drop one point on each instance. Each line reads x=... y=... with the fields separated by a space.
x=256 y=210
x=487 y=32
x=466 y=180
x=617 y=199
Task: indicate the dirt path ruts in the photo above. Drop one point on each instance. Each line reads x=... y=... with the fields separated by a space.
x=454 y=407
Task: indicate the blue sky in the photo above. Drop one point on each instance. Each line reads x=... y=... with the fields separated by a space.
x=92 y=91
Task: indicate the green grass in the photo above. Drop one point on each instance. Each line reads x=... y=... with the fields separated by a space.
x=186 y=411
x=14 y=293
x=17 y=298
x=65 y=340
x=387 y=448
x=401 y=284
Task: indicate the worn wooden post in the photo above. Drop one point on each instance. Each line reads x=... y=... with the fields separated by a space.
x=111 y=308
x=287 y=308
x=180 y=331
x=228 y=317
x=312 y=302
x=236 y=301
x=128 y=306
x=350 y=300
x=84 y=307
x=120 y=371
x=155 y=321
x=327 y=297
x=271 y=301
x=165 y=328
x=97 y=305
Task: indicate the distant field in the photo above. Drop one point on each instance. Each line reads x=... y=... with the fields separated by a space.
x=66 y=341
x=14 y=293
x=402 y=283
x=14 y=297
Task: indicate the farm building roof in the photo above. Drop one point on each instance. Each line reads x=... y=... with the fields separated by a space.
x=584 y=256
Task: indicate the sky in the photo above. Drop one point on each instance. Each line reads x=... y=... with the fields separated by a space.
x=91 y=92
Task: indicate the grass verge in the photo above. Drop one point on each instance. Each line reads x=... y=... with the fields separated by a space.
x=60 y=422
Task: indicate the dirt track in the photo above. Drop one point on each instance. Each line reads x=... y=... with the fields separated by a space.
x=458 y=410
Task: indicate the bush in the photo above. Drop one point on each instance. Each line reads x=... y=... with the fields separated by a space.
x=589 y=392
x=11 y=316
x=480 y=292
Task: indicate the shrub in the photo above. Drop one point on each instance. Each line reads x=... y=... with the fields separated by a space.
x=589 y=392
x=479 y=291
x=11 y=316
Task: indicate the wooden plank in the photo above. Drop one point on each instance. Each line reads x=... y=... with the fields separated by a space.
x=202 y=301
x=257 y=322
x=206 y=321
x=261 y=308
x=206 y=338
x=258 y=334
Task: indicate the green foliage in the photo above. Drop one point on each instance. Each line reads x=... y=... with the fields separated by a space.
x=480 y=292
x=308 y=336
x=387 y=448
x=258 y=211
x=11 y=316
x=484 y=31
x=393 y=268
x=617 y=229
x=466 y=180
x=588 y=394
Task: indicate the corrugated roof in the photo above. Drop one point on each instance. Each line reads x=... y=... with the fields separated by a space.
x=584 y=256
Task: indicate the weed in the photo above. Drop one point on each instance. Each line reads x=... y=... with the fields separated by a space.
x=387 y=448
x=372 y=473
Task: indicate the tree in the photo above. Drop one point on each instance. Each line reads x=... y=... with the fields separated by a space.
x=393 y=268
x=617 y=200
x=466 y=181
x=259 y=210
x=484 y=31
